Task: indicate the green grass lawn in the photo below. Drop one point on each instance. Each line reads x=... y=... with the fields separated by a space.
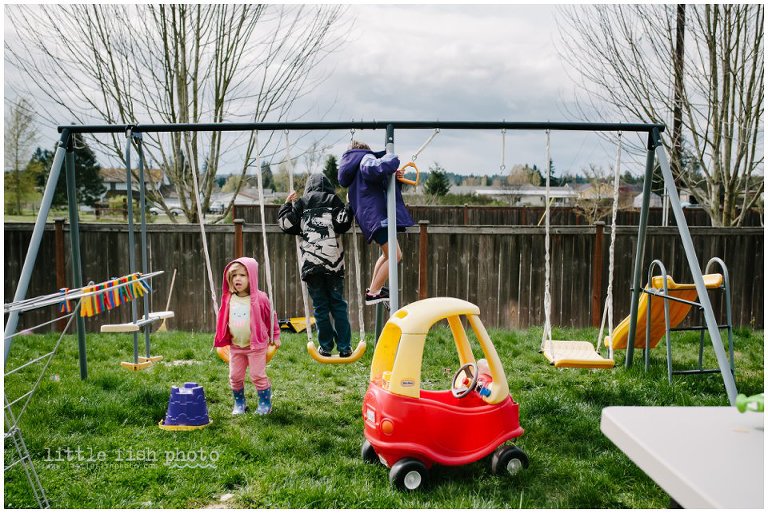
x=306 y=454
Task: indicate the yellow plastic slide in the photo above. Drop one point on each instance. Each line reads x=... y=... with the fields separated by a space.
x=677 y=311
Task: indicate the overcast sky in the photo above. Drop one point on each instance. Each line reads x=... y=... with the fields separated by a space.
x=451 y=63
x=460 y=63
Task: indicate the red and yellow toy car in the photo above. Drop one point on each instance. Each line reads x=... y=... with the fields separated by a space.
x=409 y=429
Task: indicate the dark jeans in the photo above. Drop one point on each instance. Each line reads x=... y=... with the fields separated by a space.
x=327 y=294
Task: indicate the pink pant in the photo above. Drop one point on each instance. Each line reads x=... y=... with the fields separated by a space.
x=241 y=358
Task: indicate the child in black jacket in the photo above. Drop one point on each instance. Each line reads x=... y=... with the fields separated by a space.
x=319 y=217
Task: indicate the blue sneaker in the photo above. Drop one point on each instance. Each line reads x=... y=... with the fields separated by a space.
x=265 y=401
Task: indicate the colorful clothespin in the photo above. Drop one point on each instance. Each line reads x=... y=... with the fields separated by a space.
x=114 y=292
x=127 y=288
x=86 y=303
x=145 y=284
x=98 y=299
x=66 y=305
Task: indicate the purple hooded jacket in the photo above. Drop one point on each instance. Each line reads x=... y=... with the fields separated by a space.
x=367 y=173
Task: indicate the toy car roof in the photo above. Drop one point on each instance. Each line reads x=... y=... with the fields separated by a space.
x=418 y=317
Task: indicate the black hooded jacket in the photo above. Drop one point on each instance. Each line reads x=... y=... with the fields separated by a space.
x=318 y=217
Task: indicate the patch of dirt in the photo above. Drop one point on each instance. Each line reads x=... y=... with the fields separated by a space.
x=221 y=504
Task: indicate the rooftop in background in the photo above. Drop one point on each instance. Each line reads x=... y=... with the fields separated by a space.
x=117 y=175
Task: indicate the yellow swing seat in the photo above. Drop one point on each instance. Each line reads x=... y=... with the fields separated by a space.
x=356 y=354
x=223 y=353
x=574 y=354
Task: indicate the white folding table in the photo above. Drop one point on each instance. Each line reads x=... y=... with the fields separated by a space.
x=703 y=457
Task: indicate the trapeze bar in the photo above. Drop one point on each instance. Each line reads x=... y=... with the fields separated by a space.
x=365 y=125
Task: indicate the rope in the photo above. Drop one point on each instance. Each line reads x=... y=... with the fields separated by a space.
x=547 y=334
x=423 y=146
x=359 y=285
x=193 y=170
x=268 y=270
x=304 y=298
x=608 y=310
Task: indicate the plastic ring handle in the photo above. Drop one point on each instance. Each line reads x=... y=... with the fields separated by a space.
x=406 y=180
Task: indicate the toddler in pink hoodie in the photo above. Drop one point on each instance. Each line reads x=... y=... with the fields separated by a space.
x=243 y=324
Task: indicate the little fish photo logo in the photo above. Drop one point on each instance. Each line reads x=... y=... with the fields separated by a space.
x=192 y=458
x=130 y=456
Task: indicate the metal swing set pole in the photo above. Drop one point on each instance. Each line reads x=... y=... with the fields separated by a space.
x=655 y=148
x=64 y=157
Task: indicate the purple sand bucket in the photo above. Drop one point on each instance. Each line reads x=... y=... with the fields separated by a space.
x=186 y=407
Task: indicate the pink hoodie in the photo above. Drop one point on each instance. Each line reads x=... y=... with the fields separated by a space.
x=260 y=307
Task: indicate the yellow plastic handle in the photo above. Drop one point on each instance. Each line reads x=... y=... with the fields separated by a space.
x=404 y=179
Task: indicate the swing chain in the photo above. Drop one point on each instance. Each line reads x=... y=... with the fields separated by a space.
x=423 y=146
x=503 y=165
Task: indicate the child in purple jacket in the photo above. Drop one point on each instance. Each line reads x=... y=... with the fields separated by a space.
x=367 y=174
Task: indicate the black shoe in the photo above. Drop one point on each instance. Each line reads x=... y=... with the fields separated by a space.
x=381 y=297
x=345 y=354
x=323 y=352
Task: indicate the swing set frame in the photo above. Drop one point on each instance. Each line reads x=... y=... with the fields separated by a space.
x=64 y=158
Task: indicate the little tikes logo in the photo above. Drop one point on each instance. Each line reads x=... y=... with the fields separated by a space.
x=407 y=382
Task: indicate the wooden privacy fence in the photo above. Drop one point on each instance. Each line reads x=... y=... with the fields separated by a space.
x=501 y=269
x=506 y=216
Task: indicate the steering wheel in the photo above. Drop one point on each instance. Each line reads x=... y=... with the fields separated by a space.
x=459 y=390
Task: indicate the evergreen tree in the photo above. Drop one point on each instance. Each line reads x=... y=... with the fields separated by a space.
x=437 y=184
x=267 y=180
x=331 y=171
x=89 y=184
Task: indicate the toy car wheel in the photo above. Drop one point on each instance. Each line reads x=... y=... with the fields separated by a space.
x=510 y=459
x=369 y=453
x=408 y=474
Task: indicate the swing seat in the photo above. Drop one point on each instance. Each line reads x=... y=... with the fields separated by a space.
x=296 y=324
x=223 y=353
x=574 y=354
x=356 y=354
x=136 y=366
x=131 y=327
x=143 y=363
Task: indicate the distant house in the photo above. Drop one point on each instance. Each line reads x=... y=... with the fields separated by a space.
x=116 y=183
x=604 y=192
x=531 y=195
x=638 y=201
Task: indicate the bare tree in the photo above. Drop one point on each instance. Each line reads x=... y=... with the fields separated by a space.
x=314 y=155
x=595 y=198
x=174 y=64
x=522 y=174
x=20 y=137
x=628 y=58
